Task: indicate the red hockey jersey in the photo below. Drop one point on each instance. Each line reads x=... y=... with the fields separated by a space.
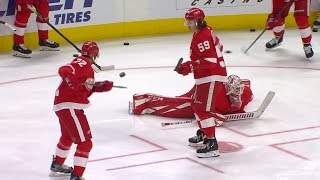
x=75 y=97
x=206 y=57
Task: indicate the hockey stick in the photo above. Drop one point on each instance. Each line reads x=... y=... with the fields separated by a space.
x=32 y=8
x=178 y=64
x=8 y=25
x=106 y=68
x=276 y=18
x=115 y=86
x=238 y=116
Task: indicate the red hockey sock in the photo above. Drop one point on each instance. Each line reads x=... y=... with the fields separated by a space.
x=62 y=150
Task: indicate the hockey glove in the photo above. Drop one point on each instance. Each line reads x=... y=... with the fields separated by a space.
x=185 y=68
x=271 y=23
x=102 y=86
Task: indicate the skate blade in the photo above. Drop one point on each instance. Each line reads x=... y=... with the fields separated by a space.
x=45 y=48
x=59 y=174
x=209 y=154
x=18 y=54
x=197 y=145
x=268 y=49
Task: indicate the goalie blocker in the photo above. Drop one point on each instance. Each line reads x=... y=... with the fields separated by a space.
x=237 y=95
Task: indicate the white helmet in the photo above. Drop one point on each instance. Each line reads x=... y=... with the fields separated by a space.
x=234 y=86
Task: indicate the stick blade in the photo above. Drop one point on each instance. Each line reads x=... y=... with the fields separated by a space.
x=265 y=103
x=178 y=64
x=107 y=68
x=104 y=68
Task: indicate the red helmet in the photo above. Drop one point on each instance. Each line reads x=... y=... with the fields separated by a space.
x=90 y=49
x=194 y=14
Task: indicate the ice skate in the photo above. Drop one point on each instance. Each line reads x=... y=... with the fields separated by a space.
x=273 y=43
x=47 y=45
x=210 y=149
x=316 y=24
x=197 y=141
x=19 y=50
x=59 y=170
x=75 y=177
x=308 y=50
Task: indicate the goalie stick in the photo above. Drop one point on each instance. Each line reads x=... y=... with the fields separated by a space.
x=238 y=116
x=8 y=25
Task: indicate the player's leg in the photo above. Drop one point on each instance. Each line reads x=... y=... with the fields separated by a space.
x=20 y=23
x=301 y=16
x=279 y=26
x=205 y=102
x=62 y=150
x=45 y=44
x=82 y=135
x=176 y=107
x=77 y=126
x=207 y=122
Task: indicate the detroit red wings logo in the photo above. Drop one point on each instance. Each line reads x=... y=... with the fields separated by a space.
x=89 y=83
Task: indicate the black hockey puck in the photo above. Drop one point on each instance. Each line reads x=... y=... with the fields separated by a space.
x=75 y=55
x=122 y=74
x=228 y=51
x=126 y=43
x=252 y=30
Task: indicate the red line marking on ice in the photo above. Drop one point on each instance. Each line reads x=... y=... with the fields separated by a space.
x=168 y=160
x=133 y=154
x=290 y=142
x=160 y=67
x=27 y=79
x=270 y=133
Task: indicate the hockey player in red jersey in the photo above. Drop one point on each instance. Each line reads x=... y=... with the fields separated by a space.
x=301 y=13
x=209 y=71
x=71 y=98
x=21 y=21
x=237 y=94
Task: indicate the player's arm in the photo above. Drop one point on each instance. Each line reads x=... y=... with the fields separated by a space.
x=68 y=75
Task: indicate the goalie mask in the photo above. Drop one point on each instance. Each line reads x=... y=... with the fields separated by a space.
x=234 y=87
x=90 y=49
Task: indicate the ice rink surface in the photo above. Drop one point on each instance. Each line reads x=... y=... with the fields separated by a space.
x=283 y=144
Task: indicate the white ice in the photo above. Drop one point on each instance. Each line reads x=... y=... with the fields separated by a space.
x=284 y=143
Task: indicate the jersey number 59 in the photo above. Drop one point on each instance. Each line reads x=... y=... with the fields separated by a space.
x=204 y=46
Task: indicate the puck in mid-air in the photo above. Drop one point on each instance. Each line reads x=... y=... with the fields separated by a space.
x=252 y=30
x=122 y=74
x=126 y=43
x=75 y=55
